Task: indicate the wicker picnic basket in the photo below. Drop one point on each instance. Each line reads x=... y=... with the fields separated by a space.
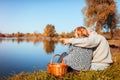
x=57 y=69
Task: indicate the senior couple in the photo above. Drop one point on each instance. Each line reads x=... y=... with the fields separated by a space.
x=87 y=51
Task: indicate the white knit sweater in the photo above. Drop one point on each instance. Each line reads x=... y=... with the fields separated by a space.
x=101 y=54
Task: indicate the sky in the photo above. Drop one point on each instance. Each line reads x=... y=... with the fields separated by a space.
x=28 y=16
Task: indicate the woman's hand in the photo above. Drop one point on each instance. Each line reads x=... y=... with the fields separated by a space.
x=65 y=40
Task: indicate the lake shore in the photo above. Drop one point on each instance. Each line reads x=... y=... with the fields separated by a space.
x=111 y=73
x=112 y=42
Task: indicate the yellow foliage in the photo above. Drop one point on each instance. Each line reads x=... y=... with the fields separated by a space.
x=100 y=10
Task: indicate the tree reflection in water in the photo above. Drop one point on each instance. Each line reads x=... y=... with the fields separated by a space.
x=49 y=46
x=0 y=40
x=19 y=40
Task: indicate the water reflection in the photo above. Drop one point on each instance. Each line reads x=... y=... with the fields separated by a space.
x=49 y=46
x=18 y=40
x=48 y=43
x=0 y=40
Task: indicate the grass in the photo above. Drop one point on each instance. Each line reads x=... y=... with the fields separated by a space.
x=111 y=73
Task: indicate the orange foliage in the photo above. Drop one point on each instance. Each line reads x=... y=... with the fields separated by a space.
x=100 y=11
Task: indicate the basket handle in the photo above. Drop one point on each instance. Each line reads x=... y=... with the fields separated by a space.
x=51 y=61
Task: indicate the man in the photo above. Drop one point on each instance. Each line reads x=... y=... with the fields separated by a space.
x=101 y=54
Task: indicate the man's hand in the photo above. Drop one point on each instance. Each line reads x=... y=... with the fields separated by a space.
x=65 y=40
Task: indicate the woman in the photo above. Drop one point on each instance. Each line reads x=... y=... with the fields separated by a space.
x=78 y=58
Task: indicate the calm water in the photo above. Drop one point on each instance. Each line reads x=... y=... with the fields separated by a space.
x=26 y=55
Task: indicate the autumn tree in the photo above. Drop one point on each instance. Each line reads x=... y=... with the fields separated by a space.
x=1 y=35
x=67 y=35
x=19 y=34
x=49 y=30
x=99 y=13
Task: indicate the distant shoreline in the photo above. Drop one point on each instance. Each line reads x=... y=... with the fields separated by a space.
x=112 y=42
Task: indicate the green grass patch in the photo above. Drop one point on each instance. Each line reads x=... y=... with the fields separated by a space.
x=111 y=73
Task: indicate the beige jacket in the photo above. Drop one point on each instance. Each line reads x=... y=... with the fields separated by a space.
x=101 y=54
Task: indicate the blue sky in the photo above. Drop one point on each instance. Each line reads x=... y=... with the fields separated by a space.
x=33 y=15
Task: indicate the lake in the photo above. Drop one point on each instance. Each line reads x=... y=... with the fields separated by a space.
x=18 y=55
x=28 y=55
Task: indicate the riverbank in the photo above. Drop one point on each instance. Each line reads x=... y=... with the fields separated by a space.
x=111 y=73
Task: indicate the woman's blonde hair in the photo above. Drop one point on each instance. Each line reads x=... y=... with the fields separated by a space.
x=81 y=31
